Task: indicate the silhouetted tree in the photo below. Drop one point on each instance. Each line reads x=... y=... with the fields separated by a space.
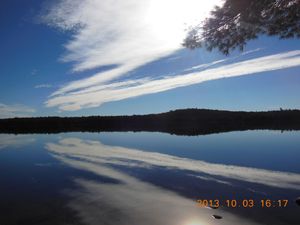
x=239 y=21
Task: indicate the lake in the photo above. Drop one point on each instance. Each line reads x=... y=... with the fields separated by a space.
x=143 y=178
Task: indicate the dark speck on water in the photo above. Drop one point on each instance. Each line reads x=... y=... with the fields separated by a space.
x=217 y=217
x=298 y=201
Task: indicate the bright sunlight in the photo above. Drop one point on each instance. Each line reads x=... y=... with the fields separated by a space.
x=168 y=19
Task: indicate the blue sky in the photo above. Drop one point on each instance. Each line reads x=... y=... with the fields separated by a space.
x=107 y=57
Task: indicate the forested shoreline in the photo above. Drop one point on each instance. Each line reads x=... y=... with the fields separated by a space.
x=180 y=122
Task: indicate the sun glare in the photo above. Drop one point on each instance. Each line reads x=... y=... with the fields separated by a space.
x=169 y=19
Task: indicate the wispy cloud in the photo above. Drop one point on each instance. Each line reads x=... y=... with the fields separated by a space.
x=126 y=33
x=7 y=111
x=43 y=86
x=121 y=32
x=73 y=98
x=131 y=34
x=252 y=51
x=34 y=72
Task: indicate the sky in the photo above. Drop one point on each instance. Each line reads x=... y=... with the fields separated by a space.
x=116 y=57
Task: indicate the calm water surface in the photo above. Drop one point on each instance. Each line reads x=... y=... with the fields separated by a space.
x=149 y=178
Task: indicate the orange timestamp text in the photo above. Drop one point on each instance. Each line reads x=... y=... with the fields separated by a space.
x=242 y=203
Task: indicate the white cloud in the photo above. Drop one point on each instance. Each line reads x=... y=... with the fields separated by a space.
x=122 y=32
x=126 y=33
x=131 y=34
x=43 y=86
x=96 y=95
x=7 y=111
x=252 y=51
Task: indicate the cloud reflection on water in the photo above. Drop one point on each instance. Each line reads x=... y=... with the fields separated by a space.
x=15 y=141
x=96 y=152
x=133 y=201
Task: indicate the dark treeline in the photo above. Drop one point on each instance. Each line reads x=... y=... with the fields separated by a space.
x=180 y=122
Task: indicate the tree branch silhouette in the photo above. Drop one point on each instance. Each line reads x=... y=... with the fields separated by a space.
x=238 y=21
